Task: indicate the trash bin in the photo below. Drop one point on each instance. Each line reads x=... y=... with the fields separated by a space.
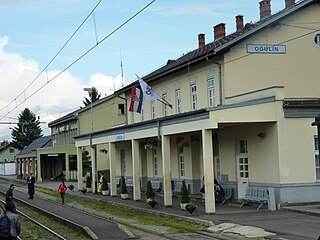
x=271 y=200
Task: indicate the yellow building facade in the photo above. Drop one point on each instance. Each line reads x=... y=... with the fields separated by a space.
x=242 y=108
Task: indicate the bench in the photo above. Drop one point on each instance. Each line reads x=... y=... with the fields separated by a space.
x=156 y=186
x=227 y=196
x=129 y=183
x=256 y=195
x=176 y=188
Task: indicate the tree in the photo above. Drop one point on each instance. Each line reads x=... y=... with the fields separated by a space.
x=27 y=129
x=94 y=96
x=184 y=193
x=86 y=163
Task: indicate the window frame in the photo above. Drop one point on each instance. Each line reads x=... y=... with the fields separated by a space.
x=178 y=100
x=211 y=95
x=193 y=90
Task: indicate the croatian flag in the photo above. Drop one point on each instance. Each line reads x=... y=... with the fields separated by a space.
x=136 y=100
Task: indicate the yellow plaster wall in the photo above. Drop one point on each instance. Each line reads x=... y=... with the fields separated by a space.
x=296 y=140
x=244 y=72
x=105 y=116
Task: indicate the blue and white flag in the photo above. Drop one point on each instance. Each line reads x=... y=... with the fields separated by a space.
x=148 y=93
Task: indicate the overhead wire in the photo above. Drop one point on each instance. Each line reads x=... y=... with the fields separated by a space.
x=74 y=62
x=55 y=56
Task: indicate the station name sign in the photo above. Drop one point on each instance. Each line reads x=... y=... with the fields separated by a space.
x=266 y=49
x=119 y=137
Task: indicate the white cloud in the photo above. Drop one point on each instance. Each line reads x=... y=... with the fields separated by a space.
x=216 y=9
x=106 y=85
x=50 y=96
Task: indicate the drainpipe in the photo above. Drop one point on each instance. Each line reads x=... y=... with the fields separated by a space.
x=220 y=79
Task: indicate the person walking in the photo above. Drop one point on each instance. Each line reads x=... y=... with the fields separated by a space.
x=62 y=190
x=14 y=218
x=9 y=193
x=31 y=181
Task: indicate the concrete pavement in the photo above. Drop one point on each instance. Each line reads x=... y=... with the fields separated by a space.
x=294 y=222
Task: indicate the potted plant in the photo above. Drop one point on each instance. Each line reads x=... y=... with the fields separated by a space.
x=191 y=207
x=123 y=190
x=89 y=184
x=105 y=187
x=150 y=195
x=184 y=196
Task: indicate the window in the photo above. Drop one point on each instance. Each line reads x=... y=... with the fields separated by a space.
x=316 y=153
x=153 y=109
x=211 y=98
x=11 y=150
x=155 y=163
x=165 y=107
x=243 y=146
x=244 y=167
x=193 y=97
x=120 y=108
x=178 y=101
x=181 y=162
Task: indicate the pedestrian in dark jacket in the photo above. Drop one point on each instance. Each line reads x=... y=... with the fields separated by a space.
x=31 y=181
x=62 y=190
x=14 y=217
x=9 y=194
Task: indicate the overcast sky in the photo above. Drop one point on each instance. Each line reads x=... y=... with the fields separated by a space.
x=32 y=32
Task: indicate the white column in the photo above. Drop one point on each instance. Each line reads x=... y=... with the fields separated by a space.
x=79 y=168
x=136 y=169
x=33 y=168
x=67 y=167
x=166 y=165
x=37 y=172
x=25 y=168
x=208 y=169
x=112 y=164
x=94 y=167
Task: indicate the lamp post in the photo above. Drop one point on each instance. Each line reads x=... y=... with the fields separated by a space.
x=317 y=123
x=93 y=158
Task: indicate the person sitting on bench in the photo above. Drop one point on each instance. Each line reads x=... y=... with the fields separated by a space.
x=219 y=192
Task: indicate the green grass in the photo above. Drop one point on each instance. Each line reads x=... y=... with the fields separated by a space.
x=129 y=217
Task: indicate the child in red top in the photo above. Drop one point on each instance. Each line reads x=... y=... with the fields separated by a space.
x=62 y=190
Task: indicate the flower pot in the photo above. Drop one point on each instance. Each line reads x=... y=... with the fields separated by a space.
x=124 y=195
x=105 y=192
x=183 y=206
x=152 y=202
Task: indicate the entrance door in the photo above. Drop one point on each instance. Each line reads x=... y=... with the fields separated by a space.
x=243 y=175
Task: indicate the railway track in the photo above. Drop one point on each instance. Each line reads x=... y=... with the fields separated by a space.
x=50 y=233
x=36 y=223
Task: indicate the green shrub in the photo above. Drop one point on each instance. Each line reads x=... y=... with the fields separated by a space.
x=150 y=193
x=184 y=193
x=105 y=186
x=88 y=182
x=124 y=189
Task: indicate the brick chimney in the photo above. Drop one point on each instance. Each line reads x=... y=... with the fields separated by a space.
x=265 y=8
x=289 y=3
x=201 y=39
x=219 y=31
x=239 y=22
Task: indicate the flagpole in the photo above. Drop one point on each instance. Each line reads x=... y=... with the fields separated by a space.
x=163 y=101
